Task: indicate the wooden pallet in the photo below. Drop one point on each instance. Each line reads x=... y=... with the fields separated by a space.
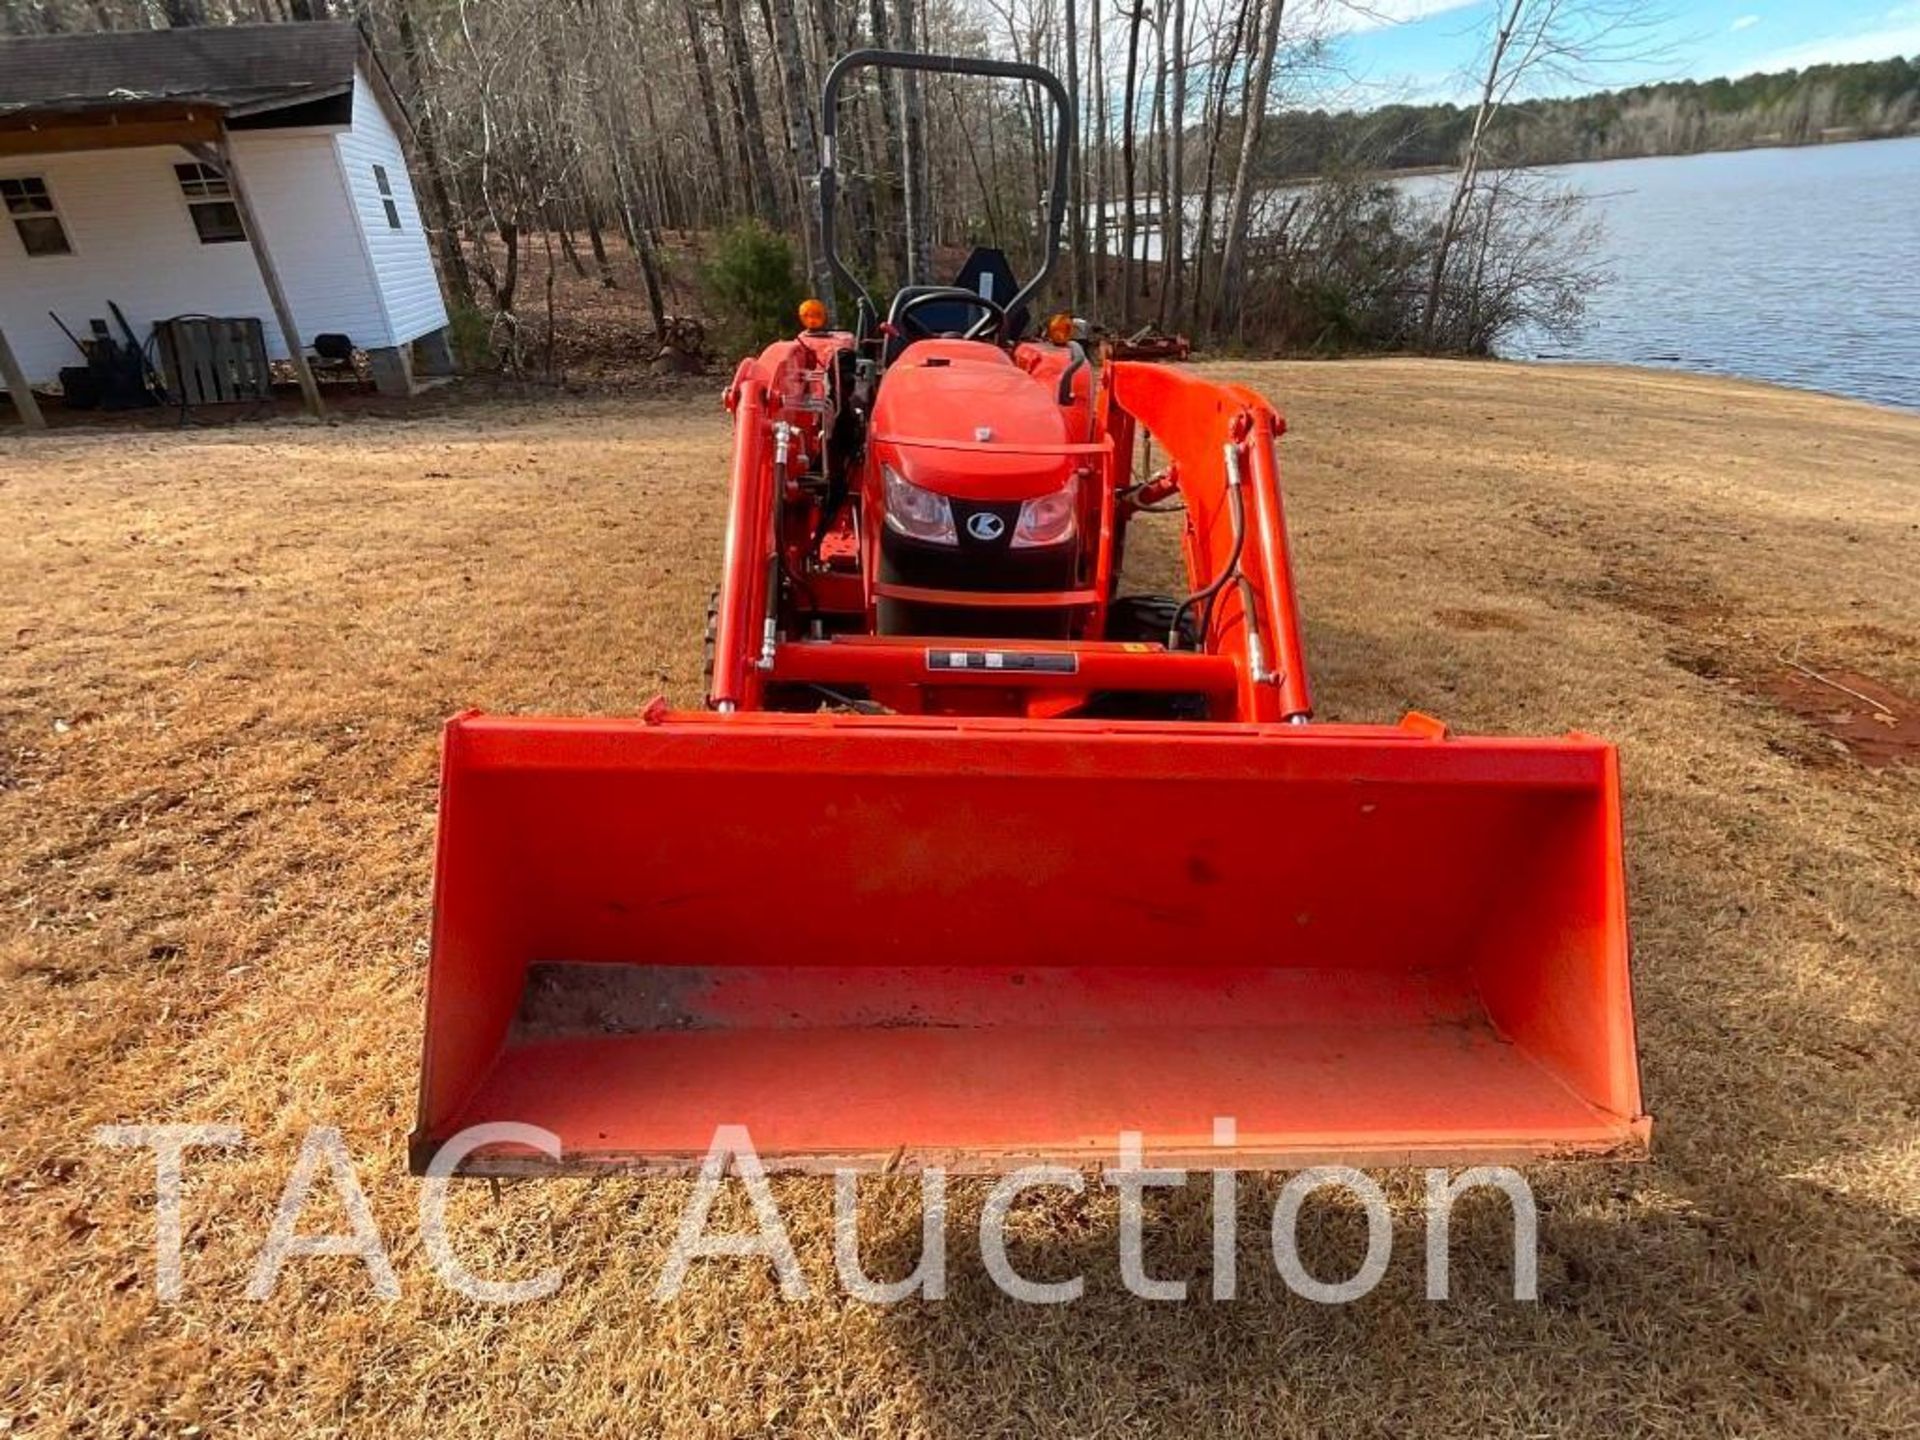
x=209 y=360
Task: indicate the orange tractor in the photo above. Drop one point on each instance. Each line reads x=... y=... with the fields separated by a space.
x=974 y=858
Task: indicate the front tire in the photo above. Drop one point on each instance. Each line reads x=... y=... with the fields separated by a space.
x=1146 y=619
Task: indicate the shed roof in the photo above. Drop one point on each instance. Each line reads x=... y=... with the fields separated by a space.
x=242 y=70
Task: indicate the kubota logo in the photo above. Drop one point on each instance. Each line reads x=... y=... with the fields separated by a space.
x=985 y=525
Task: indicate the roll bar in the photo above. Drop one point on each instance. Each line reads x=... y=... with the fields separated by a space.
x=944 y=65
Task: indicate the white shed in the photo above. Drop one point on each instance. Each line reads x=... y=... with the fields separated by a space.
x=184 y=172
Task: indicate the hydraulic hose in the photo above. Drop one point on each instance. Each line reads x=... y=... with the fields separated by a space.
x=783 y=434
x=1256 y=647
x=1237 y=517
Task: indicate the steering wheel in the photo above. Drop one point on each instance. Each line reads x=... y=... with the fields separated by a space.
x=993 y=317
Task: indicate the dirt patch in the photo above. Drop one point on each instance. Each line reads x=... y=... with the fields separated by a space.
x=1859 y=716
x=1698 y=660
x=562 y=999
x=1673 y=598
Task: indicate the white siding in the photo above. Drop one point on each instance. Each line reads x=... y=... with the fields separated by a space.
x=134 y=243
x=402 y=263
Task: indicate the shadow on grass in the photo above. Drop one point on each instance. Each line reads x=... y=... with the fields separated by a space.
x=1654 y=1315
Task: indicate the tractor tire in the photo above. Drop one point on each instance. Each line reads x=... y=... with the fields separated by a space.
x=1146 y=619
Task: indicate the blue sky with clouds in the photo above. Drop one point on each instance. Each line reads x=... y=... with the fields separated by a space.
x=1422 y=50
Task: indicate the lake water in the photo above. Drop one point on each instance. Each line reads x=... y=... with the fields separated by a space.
x=1800 y=266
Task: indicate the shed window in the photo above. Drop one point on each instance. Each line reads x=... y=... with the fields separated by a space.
x=386 y=196
x=216 y=219
x=30 y=207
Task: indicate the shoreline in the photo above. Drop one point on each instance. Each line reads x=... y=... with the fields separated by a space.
x=1770 y=143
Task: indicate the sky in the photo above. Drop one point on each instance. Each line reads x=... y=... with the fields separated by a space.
x=1424 y=50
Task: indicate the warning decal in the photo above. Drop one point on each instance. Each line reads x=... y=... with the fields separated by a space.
x=1052 y=662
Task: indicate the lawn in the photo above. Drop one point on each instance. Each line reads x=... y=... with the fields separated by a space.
x=224 y=656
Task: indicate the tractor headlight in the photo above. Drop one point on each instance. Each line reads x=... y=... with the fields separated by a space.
x=1047 y=519
x=916 y=513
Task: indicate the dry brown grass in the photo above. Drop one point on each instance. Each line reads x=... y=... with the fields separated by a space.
x=223 y=657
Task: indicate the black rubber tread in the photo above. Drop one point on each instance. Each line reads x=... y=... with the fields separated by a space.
x=1148 y=618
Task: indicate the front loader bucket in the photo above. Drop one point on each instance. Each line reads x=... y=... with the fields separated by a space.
x=978 y=943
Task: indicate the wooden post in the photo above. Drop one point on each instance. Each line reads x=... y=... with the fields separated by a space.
x=220 y=156
x=23 y=397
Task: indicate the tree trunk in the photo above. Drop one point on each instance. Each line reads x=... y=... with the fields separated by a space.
x=826 y=34
x=806 y=153
x=635 y=225
x=1127 y=160
x=553 y=320
x=554 y=218
x=598 y=241
x=426 y=131
x=896 y=155
x=856 y=149
x=497 y=207
x=919 y=169
x=1252 y=121
x=1076 y=177
x=1215 y=125
x=1097 y=148
x=709 y=102
x=1038 y=112
x=752 y=133
x=1157 y=161
x=617 y=129
x=1469 y=172
x=1173 y=224
x=509 y=280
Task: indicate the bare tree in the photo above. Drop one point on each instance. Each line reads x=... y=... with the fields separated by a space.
x=1532 y=39
x=1224 y=57
x=1173 y=224
x=703 y=77
x=919 y=171
x=1128 y=180
x=1252 y=121
x=1096 y=132
x=426 y=130
x=634 y=219
x=1076 y=174
x=806 y=150
x=751 y=131
x=895 y=153
x=538 y=120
